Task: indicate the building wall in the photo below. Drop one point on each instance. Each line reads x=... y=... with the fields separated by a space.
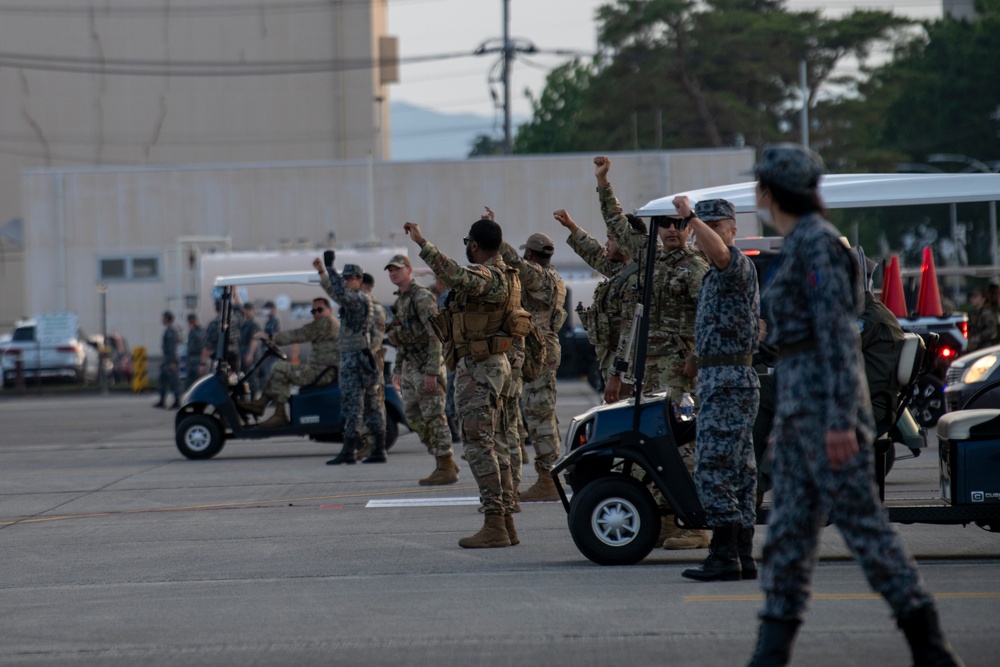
x=75 y=217
x=98 y=115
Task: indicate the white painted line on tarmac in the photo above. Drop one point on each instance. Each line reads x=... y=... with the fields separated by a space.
x=421 y=502
x=427 y=502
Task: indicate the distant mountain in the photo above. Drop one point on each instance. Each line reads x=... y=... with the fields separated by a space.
x=419 y=133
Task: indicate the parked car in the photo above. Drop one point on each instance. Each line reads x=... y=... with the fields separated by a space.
x=974 y=375
x=70 y=357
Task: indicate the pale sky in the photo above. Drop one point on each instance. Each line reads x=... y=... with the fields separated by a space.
x=427 y=27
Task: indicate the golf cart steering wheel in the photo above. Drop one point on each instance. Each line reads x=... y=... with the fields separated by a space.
x=274 y=349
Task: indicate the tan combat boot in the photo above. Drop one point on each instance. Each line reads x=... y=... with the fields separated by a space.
x=279 y=418
x=446 y=472
x=493 y=534
x=255 y=407
x=508 y=520
x=681 y=538
x=543 y=489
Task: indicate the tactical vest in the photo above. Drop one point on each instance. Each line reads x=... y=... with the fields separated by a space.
x=406 y=329
x=548 y=316
x=602 y=322
x=672 y=315
x=478 y=328
x=356 y=340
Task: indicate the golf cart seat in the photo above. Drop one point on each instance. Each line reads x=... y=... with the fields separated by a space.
x=315 y=385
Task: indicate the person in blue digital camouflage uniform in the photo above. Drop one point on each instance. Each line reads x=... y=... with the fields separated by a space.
x=360 y=372
x=169 y=381
x=823 y=468
x=725 y=339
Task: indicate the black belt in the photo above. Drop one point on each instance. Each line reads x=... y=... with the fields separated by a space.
x=710 y=360
x=802 y=347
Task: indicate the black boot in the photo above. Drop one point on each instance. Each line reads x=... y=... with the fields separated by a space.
x=722 y=563
x=161 y=403
x=928 y=644
x=744 y=547
x=347 y=453
x=774 y=642
x=378 y=450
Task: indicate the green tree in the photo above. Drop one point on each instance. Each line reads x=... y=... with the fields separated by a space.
x=681 y=74
x=485 y=145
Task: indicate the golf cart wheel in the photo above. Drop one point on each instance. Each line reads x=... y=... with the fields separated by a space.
x=199 y=437
x=614 y=521
x=391 y=432
x=928 y=404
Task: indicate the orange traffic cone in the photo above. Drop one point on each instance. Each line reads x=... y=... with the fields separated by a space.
x=892 y=289
x=928 y=298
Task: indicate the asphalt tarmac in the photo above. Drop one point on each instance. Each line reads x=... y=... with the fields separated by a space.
x=118 y=551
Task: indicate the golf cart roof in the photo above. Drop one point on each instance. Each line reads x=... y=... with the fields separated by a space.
x=289 y=278
x=857 y=191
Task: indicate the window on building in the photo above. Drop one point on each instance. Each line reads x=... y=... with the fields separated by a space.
x=129 y=268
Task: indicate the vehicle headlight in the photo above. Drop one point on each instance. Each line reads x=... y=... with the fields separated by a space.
x=979 y=369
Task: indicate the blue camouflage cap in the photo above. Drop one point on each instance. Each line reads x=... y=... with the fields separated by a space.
x=715 y=209
x=791 y=167
x=352 y=270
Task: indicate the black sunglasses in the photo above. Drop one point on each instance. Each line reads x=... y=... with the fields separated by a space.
x=666 y=223
x=317 y=310
x=466 y=240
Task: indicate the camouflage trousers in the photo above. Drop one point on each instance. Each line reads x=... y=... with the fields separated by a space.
x=666 y=373
x=285 y=374
x=539 y=403
x=725 y=470
x=425 y=410
x=361 y=394
x=807 y=492
x=509 y=436
x=479 y=386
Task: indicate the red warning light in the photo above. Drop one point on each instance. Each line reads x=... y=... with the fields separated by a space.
x=947 y=352
x=964 y=328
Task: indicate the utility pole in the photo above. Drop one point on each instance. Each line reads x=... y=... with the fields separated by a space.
x=508 y=57
x=507 y=48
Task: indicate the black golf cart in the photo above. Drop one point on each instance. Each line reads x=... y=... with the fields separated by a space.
x=209 y=415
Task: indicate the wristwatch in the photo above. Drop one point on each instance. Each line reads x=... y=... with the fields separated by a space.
x=690 y=216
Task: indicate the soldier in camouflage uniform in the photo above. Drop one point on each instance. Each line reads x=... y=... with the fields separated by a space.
x=822 y=434
x=676 y=282
x=169 y=381
x=614 y=298
x=543 y=294
x=195 y=343
x=322 y=369
x=726 y=338
x=248 y=346
x=419 y=373
x=359 y=368
x=483 y=318
x=379 y=324
x=677 y=277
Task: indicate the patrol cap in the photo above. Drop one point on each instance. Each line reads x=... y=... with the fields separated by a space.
x=791 y=167
x=710 y=210
x=352 y=270
x=539 y=242
x=399 y=261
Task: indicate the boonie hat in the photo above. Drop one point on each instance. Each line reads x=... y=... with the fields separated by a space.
x=352 y=270
x=399 y=261
x=791 y=167
x=539 y=242
x=714 y=209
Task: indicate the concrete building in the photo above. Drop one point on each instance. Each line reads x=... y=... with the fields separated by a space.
x=148 y=82
x=142 y=230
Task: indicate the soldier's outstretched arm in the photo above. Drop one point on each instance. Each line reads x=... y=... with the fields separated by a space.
x=469 y=279
x=632 y=241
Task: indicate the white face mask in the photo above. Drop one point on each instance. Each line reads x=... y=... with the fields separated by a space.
x=765 y=216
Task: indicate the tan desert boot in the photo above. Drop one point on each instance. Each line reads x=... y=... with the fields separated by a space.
x=493 y=534
x=445 y=473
